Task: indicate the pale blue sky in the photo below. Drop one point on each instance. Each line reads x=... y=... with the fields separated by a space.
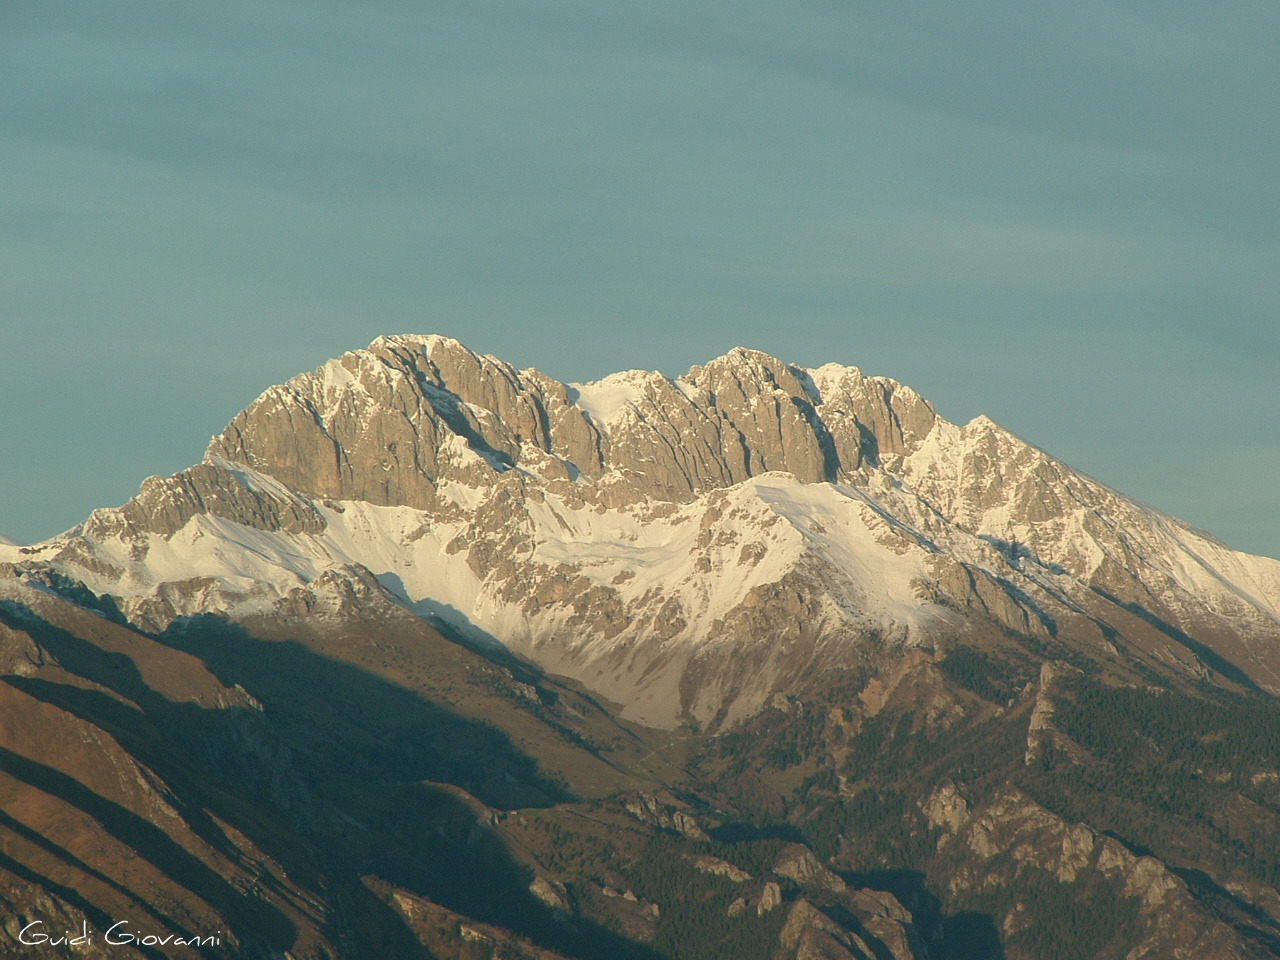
x=1064 y=216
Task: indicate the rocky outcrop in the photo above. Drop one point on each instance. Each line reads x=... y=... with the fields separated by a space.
x=216 y=489
x=1042 y=734
x=886 y=920
x=769 y=899
x=386 y=425
x=1010 y=841
x=665 y=812
x=831 y=920
x=720 y=868
x=797 y=863
x=947 y=809
x=810 y=934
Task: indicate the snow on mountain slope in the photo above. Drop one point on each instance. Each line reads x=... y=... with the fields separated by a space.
x=989 y=482
x=685 y=547
x=590 y=582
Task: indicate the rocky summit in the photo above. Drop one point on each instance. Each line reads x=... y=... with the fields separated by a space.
x=434 y=656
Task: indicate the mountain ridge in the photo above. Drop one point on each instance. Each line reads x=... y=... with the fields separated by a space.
x=644 y=534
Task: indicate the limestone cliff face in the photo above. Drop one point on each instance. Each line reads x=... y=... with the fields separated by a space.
x=685 y=546
x=214 y=488
x=387 y=424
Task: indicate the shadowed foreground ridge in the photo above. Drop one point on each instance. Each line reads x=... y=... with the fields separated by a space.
x=432 y=656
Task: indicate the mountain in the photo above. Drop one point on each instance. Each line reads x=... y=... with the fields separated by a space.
x=760 y=660
x=656 y=539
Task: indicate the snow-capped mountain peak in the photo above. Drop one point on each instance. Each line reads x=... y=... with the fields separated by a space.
x=686 y=547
